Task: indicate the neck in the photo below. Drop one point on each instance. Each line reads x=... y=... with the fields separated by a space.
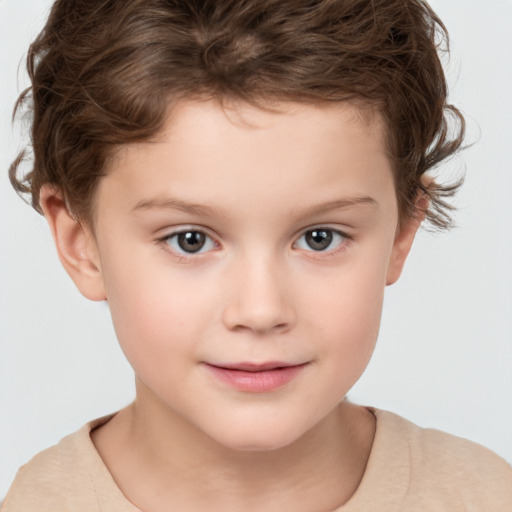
x=184 y=468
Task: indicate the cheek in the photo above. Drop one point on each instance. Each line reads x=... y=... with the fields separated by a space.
x=156 y=315
x=348 y=313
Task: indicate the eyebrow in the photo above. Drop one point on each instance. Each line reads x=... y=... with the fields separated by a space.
x=174 y=204
x=206 y=211
x=337 y=204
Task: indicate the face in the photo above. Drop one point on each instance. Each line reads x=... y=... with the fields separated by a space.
x=244 y=255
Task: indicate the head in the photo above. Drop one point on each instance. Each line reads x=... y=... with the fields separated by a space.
x=105 y=74
x=240 y=180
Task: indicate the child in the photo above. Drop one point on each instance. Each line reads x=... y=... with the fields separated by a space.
x=240 y=181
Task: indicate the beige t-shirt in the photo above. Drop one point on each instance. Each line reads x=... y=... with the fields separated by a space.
x=410 y=469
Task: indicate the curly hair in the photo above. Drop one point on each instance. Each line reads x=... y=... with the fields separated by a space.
x=104 y=72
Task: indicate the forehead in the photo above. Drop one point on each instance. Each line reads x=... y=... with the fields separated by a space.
x=204 y=126
x=285 y=117
x=207 y=151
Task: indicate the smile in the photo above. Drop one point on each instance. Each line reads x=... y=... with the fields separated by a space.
x=256 y=378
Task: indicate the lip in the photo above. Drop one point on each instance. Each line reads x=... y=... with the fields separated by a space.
x=256 y=377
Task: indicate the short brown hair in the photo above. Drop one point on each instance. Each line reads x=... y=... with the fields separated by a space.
x=103 y=73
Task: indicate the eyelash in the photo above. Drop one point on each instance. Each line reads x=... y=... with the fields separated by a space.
x=186 y=257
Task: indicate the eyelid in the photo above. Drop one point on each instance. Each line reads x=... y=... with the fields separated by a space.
x=345 y=240
x=183 y=256
x=170 y=231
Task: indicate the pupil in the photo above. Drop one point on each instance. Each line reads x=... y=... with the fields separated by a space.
x=319 y=239
x=192 y=241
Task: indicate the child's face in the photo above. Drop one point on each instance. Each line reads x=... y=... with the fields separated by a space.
x=292 y=236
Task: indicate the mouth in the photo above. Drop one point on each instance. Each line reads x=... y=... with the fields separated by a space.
x=256 y=377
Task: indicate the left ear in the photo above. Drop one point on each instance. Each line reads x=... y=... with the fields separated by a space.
x=404 y=238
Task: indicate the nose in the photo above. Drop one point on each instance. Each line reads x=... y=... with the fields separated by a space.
x=260 y=298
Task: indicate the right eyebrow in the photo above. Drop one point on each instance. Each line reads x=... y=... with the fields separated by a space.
x=169 y=203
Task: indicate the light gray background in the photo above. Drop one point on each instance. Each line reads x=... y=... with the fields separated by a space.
x=444 y=358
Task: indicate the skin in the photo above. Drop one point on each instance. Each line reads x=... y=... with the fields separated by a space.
x=255 y=292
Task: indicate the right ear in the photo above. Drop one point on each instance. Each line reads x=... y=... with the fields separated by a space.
x=76 y=245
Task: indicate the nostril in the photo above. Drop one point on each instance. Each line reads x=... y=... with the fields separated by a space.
x=259 y=305
x=261 y=329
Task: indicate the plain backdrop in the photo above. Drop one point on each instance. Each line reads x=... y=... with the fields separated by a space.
x=444 y=357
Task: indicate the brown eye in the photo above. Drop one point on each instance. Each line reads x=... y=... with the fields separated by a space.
x=319 y=239
x=191 y=241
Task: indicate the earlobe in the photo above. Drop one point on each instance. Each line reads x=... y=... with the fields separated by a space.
x=404 y=239
x=75 y=244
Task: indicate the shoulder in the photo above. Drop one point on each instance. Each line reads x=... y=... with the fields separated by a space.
x=58 y=477
x=462 y=458
x=444 y=453
x=41 y=482
x=34 y=480
x=450 y=466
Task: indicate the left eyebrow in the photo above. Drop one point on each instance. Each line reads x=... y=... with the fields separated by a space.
x=338 y=204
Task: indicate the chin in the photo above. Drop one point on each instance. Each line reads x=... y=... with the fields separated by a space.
x=258 y=436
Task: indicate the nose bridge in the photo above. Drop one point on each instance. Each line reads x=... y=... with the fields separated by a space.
x=261 y=298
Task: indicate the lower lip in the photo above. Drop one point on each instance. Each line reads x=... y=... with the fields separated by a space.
x=257 y=382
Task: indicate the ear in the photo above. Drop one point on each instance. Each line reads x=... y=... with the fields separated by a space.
x=75 y=244
x=404 y=238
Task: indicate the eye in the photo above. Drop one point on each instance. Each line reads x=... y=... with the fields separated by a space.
x=190 y=242
x=321 y=239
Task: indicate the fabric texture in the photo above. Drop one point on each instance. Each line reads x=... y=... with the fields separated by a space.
x=410 y=469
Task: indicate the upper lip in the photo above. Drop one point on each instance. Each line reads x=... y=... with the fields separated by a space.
x=255 y=367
